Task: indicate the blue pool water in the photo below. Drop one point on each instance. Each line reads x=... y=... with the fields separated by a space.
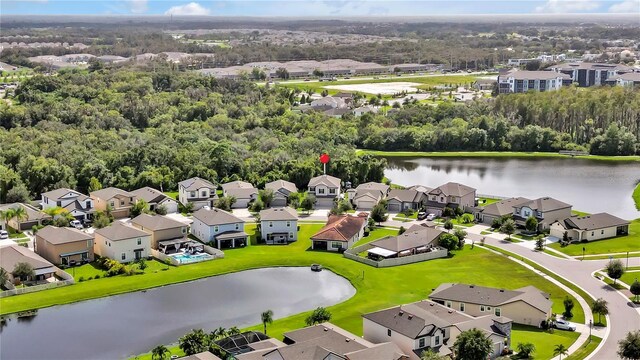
x=186 y=258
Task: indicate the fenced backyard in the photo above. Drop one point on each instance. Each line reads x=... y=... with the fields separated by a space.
x=354 y=252
x=66 y=279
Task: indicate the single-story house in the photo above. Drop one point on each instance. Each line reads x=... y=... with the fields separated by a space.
x=279 y=225
x=415 y=240
x=590 y=227
x=219 y=228
x=205 y=355
x=368 y=109
x=166 y=233
x=281 y=191
x=340 y=233
x=402 y=199
x=452 y=195
x=199 y=192
x=11 y=255
x=243 y=191
x=118 y=200
x=155 y=199
x=78 y=204
x=496 y=210
x=527 y=305
x=122 y=242
x=366 y=196
x=546 y=210
x=62 y=245
x=34 y=217
x=326 y=188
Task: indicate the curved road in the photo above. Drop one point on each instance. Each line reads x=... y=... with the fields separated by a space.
x=623 y=316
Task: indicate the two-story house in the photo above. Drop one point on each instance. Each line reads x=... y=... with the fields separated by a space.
x=487 y=214
x=242 y=191
x=281 y=191
x=197 y=191
x=64 y=246
x=279 y=225
x=155 y=199
x=78 y=204
x=118 y=201
x=527 y=305
x=122 y=242
x=165 y=232
x=326 y=189
x=452 y=195
x=424 y=325
x=33 y=217
x=219 y=228
x=366 y=196
x=546 y=210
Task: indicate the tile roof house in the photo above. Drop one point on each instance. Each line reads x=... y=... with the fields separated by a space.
x=60 y=246
x=527 y=305
x=424 y=325
x=219 y=228
x=122 y=242
x=117 y=200
x=197 y=191
x=415 y=240
x=590 y=227
x=451 y=195
x=163 y=230
x=34 y=217
x=496 y=210
x=244 y=193
x=402 y=199
x=366 y=196
x=279 y=225
x=546 y=210
x=340 y=233
x=156 y=198
x=11 y=255
x=281 y=191
x=79 y=205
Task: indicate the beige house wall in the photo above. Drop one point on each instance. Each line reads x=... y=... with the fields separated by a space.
x=52 y=252
x=519 y=311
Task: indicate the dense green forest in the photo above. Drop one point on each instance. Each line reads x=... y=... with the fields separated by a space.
x=135 y=127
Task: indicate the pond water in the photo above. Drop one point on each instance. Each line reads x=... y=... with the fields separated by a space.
x=589 y=185
x=123 y=325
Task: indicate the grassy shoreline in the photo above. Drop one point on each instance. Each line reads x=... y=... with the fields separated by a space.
x=636 y=196
x=494 y=154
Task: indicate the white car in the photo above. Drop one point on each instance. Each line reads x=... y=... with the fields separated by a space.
x=564 y=325
x=4 y=235
x=76 y=224
x=431 y=217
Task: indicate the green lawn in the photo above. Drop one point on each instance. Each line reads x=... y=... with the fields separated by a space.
x=636 y=196
x=376 y=234
x=90 y=270
x=620 y=244
x=585 y=350
x=579 y=213
x=629 y=277
x=489 y=154
x=483 y=201
x=544 y=341
x=172 y=194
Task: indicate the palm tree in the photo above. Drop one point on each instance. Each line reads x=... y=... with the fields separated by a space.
x=160 y=352
x=4 y=277
x=233 y=331
x=267 y=318
x=219 y=333
x=560 y=350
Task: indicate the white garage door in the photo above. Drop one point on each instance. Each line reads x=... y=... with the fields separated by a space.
x=393 y=207
x=366 y=205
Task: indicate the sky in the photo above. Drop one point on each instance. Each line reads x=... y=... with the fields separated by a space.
x=315 y=8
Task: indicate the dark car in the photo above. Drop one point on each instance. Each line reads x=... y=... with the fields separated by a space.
x=316 y=267
x=422 y=215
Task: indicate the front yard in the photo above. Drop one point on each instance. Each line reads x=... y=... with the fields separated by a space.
x=620 y=244
x=544 y=341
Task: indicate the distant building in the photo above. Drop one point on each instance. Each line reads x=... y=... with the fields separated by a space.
x=627 y=79
x=520 y=81
x=590 y=74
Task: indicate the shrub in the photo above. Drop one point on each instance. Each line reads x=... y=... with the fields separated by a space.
x=97 y=276
x=81 y=279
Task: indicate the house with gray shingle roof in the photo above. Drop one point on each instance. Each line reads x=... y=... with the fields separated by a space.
x=242 y=191
x=164 y=230
x=415 y=240
x=281 y=191
x=197 y=191
x=402 y=199
x=78 y=204
x=546 y=210
x=365 y=196
x=34 y=217
x=118 y=201
x=452 y=195
x=326 y=188
x=61 y=246
x=11 y=255
x=156 y=198
x=487 y=214
x=279 y=225
x=122 y=242
x=219 y=228
x=590 y=227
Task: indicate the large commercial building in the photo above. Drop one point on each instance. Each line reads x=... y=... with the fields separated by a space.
x=520 y=81
x=590 y=74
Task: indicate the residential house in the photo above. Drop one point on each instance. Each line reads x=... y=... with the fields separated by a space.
x=249 y=345
x=590 y=74
x=527 y=305
x=117 y=200
x=79 y=205
x=487 y=214
x=219 y=228
x=279 y=225
x=590 y=227
x=155 y=199
x=64 y=246
x=403 y=199
x=197 y=191
x=546 y=210
x=281 y=191
x=340 y=233
x=426 y=325
x=326 y=189
x=452 y=195
x=205 y=355
x=521 y=81
x=627 y=79
x=165 y=232
x=330 y=102
x=122 y=242
x=417 y=239
x=34 y=217
x=11 y=255
x=368 y=109
x=366 y=196
x=243 y=191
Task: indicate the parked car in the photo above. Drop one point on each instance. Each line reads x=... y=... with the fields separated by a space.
x=316 y=267
x=564 y=325
x=4 y=234
x=431 y=217
x=422 y=215
x=76 y=224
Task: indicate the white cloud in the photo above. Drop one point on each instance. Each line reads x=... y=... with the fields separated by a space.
x=137 y=6
x=567 y=6
x=191 y=8
x=627 y=6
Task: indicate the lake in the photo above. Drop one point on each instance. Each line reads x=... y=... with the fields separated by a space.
x=589 y=185
x=129 y=324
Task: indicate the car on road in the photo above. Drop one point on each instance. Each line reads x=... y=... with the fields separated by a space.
x=422 y=215
x=4 y=235
x=564 y=325
x=431 y=217
x=316 y=267
x=76 y=224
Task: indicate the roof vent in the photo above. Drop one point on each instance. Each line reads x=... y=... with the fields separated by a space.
x=325 y=329
x=450 y=311
x=401 y=313
x=431 y=304
x=501 y=290
x=410 y=317
x=472 y=286
x=347 y=340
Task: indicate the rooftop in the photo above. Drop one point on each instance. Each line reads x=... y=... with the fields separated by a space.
x=156 y=222
x=196 y=183
x=340 y=228
x=56 y=235
x=279 y=214
x=594 y=221
x=119 y=231
x=216 y=216
x=110 y=192
x=474 y=294
x=327 y=180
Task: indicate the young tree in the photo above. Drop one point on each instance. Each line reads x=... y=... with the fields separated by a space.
x=257 y=205
x=525 y=350
x=565 y=238
x=635 y=290
x=560 y=350
x=448 y=225
x=448 y=241
x=139 y=207
x=308 y=202
x=540 y=244
x=94 y=185
x=23 y=271
x=194 y=342
x=225 y=202
x=233 y=331
x=472 y=345
x=531 y=224
x=461 y=235
x=496 y=223
x=429 y=354
x=101 y=220
x=600 y=307
x=615 y=270
x=18 y=194
x=267 y=318
x=4 y=277
x=379 y=213
x=160 y=352
x=161 y=210
x=568 y=307
x=319 y=315
x=402 y=230
x=266 y=196
x=629 y=347
x=508 y=227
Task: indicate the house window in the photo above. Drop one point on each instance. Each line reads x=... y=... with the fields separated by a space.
x=192 y=194
x=112 y=204
x=204 y=193
x=139 y=241
x=332 y=191
x=58 y=203
x=290 y=235
x=481 y=308
x=270 y=223
x=448 y=303
x=497 y=311
x=215 y=228
x=121 y=202
x=601 y=232
x=421 y=343
x=489 y=308
x=88 y=204
x=336 y=244
x=592 y=233
x=124 y=256
x=288 y=223
x=184 y=230
x=237 y=226
x=441 y=199
x=462 y=307
x=321 y=191
x=388 y=332
x=437 y=340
